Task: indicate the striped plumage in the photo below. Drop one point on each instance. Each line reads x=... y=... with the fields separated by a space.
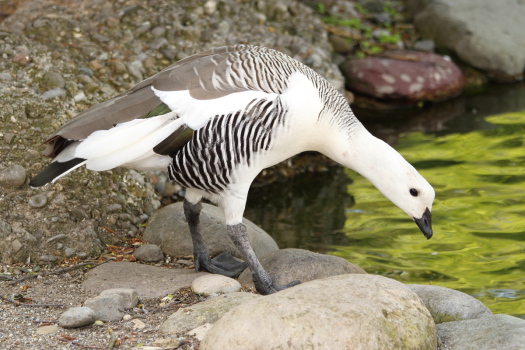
x=215 y=120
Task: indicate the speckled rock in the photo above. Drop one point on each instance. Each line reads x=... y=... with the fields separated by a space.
x=13 y=176
x=342 y=312
x=38 y=201
x=408 y=76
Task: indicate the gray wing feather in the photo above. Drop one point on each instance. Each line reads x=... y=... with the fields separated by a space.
x=211 y=74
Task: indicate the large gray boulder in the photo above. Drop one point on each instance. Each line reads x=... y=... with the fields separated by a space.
x=168 y=229
x=342 y=312
x=486 y=333
x=287 y=265
x=486 y=34
x=446 y=305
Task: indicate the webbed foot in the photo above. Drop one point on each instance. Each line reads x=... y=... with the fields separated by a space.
x=223 y=264
x=273 y=287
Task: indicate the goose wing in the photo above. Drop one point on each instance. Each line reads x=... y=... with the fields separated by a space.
x=207 y=76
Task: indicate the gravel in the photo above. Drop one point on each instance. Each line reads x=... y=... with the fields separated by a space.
x=37 y=327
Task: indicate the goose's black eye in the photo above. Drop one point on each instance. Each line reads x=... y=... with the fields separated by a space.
x=414 y=192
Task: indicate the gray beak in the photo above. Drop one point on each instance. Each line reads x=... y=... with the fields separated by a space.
x=424 y=223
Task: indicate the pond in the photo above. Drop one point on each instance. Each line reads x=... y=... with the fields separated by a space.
x=472 y=150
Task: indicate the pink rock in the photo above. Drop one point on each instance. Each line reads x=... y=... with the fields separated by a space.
x=408 y=76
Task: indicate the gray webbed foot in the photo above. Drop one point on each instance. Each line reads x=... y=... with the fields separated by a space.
x=223 y=264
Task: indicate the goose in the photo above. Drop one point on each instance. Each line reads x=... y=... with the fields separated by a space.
x=215 y=120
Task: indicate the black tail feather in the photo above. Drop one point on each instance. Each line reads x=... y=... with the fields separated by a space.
x=52 y=171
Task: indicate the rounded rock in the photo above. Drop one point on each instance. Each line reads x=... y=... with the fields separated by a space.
x=212 y=284
x=77 y=317
x=343 y=312
x=13 y=176
x=148 y=252
x=403 y=75
x=38 y=201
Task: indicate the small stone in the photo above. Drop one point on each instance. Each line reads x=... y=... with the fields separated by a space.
x=38 y=201
x=56 y=238
x=77 y=317
x=148 y=252
x=211 y=284
x=52 y=80
x=21 y=59
x=50 y=94
x=70 y=252
x=9 y=137
x=158 y=31
x=127 y=317
x=114 y=207
x=47 y=329
x=13 y=176
x=134 y=69
x=210 y=7
x=79 y=97
x=6 y=76
x=138 y=324
x=48 y=258
x=107 y=308
x=85 y=71
x=130 y=296
x=119 y=67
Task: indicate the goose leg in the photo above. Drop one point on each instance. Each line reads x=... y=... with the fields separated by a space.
x=263 y=282
x=224 y=264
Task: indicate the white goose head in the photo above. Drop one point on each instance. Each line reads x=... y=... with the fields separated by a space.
x=388 y=171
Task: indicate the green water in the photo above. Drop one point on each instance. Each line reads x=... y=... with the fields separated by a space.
x=476 y=163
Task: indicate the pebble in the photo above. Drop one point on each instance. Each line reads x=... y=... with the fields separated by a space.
x=48 y=258
x=70 y=252
x=56 y=238
x=134 y=69
x=52 y=80
x=79 y=97
x=77 y=317
x=21 y=59
x=50 y=94
x=210 y=7
x=13 y=176
x=47 y=329
x=212 y=284
x=6 y=76
x=138 y=324
x=38 y=201
x=114 y=207
x=85 y=71
x=149 y=252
